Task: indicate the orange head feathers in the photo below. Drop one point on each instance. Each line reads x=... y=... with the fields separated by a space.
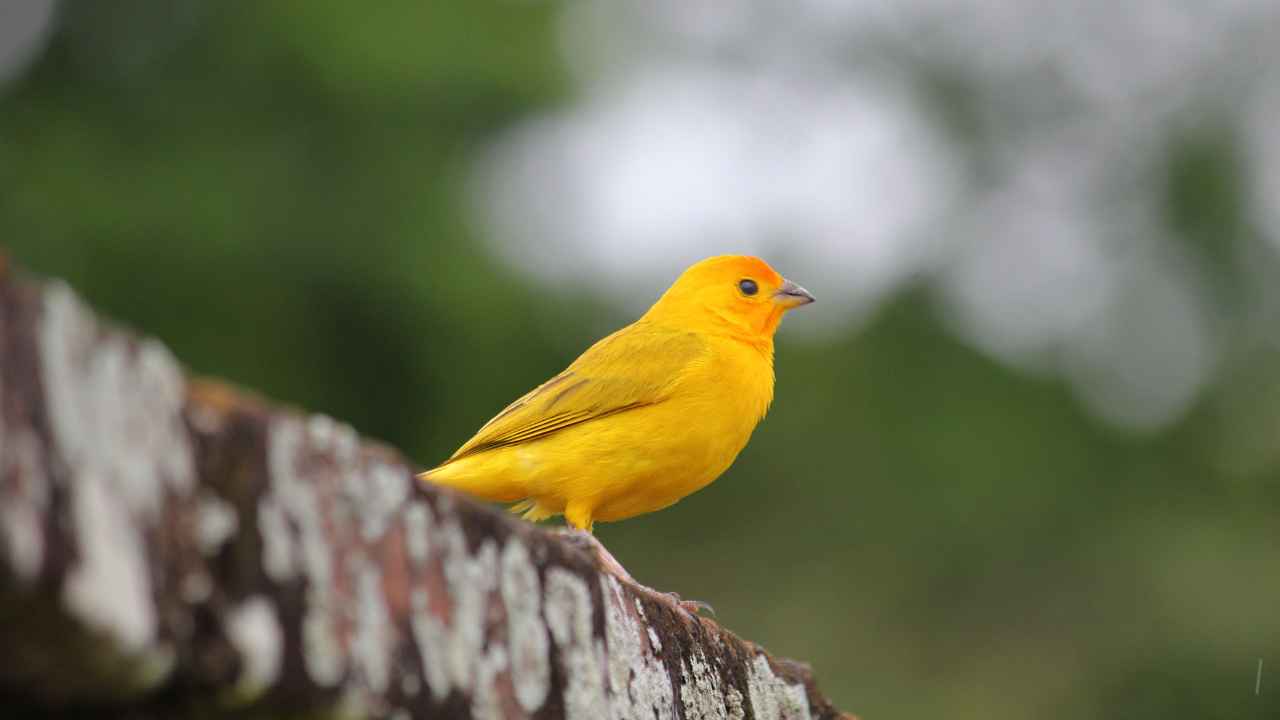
x=735 y=293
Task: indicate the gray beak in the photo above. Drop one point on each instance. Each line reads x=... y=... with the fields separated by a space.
x=792 y=295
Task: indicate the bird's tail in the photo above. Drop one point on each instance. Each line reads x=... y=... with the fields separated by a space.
x=474 y=479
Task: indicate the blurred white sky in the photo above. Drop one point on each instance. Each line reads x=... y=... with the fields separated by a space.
x=834 y=179
x=799 y=131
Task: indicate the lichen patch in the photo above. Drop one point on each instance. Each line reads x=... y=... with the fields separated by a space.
x=277 y=544
x=114 y=409
x=115 y=419
x=452 y=644
x=639 y=684
x=321 y=649
x=701 y=692
x=372 y=646
x=24 y=503
x=432 y=639
x=486 y=698
x=526 y=634
x=254 y=631
x=216 y=522
x=382 y=492
x=309 y=551
x=567 y=607
x=772 y=697
x=417 y=528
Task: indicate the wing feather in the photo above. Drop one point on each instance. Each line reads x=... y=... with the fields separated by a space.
x=637 y=366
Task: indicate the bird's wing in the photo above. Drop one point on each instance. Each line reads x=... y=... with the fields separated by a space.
x=634 y=367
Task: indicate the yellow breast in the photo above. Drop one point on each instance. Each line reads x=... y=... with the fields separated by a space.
x=683 y=444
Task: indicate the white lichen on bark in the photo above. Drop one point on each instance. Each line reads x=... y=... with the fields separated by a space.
x=277 y=544
x=526 y=633
x=701 y=693
x=470 y=579
x=417 y=527
x=216 y=523
x=381 y=493
x=110 y=587
x=307 y=551
x=774 y=698
x=568 y=611
x=429 y=634
x=26 y=501
x=254 y=631
x=486 y=698
x=115 y=421
x=374 y=636
x=452 y=646
x=638 y=681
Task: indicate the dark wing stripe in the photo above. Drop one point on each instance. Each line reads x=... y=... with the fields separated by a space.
x=564 y=393
x=529 y=396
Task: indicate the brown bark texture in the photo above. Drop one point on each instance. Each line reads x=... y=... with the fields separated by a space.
x=175 y=548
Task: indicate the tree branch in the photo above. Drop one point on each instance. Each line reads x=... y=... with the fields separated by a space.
x=171 y=546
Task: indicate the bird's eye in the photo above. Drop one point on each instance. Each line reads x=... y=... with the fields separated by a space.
x=748 y=286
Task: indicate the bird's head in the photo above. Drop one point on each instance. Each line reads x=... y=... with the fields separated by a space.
x=735 y=293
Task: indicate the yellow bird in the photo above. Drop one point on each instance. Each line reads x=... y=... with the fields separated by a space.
x=644 y=417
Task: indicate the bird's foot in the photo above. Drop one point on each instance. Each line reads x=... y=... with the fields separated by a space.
x=611 y=565
x=589 y=543
x=693 y=607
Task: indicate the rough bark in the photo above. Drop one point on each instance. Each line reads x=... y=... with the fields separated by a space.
x=176 y=547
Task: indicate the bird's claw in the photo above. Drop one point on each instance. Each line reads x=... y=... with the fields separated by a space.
x=693 y=607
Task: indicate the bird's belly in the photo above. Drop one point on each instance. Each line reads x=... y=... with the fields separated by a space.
x=641 y=461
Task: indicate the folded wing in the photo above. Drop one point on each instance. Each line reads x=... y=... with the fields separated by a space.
x=637 y=366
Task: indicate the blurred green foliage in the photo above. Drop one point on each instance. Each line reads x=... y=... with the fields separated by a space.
x=279 y=191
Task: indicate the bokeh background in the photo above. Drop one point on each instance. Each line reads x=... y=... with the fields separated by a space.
x=1024 y=459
